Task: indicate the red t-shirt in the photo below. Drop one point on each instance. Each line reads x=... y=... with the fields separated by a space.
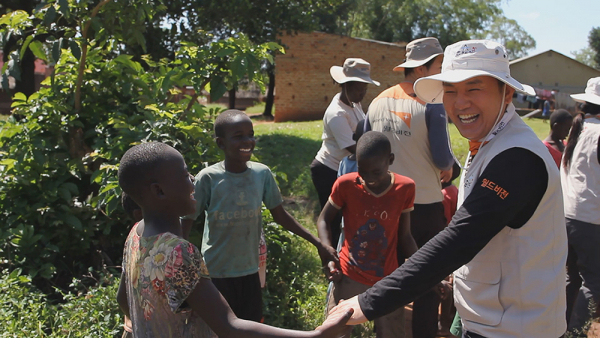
x=371 y=225
x=450 y=201
x=556 y=155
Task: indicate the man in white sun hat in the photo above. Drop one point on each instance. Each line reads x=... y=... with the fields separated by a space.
x=580 y=176
x=339 y=122
x=507 y=241
x=419 y=138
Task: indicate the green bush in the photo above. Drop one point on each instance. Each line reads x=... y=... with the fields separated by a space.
x=27 y=312
x=59 y=152
x=294 y=296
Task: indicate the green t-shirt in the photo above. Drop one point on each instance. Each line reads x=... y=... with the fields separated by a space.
x=232 y=206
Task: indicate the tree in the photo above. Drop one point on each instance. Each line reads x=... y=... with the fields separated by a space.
x=594 y=41
x=25 y=79
x=586 y=56
x=512 y=36
x=405 y=20
x=264 y=20
x=59 y=194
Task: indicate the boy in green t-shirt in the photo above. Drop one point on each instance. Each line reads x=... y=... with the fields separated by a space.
x=229 y=197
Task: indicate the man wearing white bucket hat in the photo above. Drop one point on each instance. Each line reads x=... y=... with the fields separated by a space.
x=507 y=241
x=339 y=122
x=580 y=175
x=419 y=138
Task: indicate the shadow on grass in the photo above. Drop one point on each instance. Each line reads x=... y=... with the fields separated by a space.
x=289 y=158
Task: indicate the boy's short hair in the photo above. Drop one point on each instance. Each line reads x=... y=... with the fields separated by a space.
x=372 y=144
x=129 y=205
x=225 y=118
x=139 y=166
x=559 y=116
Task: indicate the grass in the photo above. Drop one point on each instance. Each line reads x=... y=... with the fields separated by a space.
x=289 y=148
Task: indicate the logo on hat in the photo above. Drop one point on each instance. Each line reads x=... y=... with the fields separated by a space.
x=466 y=50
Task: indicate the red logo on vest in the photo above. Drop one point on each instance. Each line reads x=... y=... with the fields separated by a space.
x=403 y=116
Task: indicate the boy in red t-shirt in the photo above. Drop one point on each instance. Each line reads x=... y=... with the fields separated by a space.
x=376 y=205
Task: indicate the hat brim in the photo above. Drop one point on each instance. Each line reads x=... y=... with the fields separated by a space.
x=414 y=63
x=585 y=97
x=430 y=89
x=337 y=73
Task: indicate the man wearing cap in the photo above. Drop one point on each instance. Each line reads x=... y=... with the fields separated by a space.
x=339 y=122
x=419 y=138
x=507 y=241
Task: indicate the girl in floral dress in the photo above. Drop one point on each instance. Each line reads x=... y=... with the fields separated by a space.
x=165 y=287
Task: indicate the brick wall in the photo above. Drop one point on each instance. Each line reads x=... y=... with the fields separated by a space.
x=303 y=86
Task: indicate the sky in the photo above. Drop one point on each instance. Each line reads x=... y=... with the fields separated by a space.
x=561 y=25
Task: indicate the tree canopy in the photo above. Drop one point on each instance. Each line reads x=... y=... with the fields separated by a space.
x=449 y=21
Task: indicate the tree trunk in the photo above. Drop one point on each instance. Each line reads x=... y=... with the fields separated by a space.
x=232 y=98
x=27 y=83
x=270 y=93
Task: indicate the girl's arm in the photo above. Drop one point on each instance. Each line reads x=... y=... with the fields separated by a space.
x=214 y=310
x=122 y=296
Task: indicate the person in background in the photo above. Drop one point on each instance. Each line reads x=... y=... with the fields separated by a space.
x=546 y=109
x=447 y=309
x=348 y=164
x=580 y=176
x=339 y=122
x=560 y=124
x=419 y=138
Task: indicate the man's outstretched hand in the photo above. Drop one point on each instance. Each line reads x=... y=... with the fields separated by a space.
x=346 y=305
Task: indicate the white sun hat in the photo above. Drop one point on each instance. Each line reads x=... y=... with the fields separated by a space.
x=467 y=59
x=419 y=52
x=354 y=69
x=592 y=92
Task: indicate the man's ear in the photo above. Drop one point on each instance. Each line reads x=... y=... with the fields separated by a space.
x=392 y=158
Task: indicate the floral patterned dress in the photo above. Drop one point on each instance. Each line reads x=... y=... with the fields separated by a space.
x=160 y=273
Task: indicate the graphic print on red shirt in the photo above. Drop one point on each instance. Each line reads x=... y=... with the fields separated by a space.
x=371 y=225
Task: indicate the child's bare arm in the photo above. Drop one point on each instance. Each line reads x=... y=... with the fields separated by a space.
x=332 y=271
x=214 y=310
x=325 y=218
x=405 y=238
x=326 y=251
x=122 y=296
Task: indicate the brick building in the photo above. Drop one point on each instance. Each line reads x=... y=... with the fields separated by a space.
x=304 y=87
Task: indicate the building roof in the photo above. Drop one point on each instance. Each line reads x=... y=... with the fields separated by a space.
x=552 y=51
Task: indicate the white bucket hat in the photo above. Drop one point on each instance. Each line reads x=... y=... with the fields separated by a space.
x=419 y=52
x=592 y=92
x=467 y=59
x=354 y=69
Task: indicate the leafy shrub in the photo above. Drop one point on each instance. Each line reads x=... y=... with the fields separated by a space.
x=59 y=152
x=26 y=312
x=294 y=295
